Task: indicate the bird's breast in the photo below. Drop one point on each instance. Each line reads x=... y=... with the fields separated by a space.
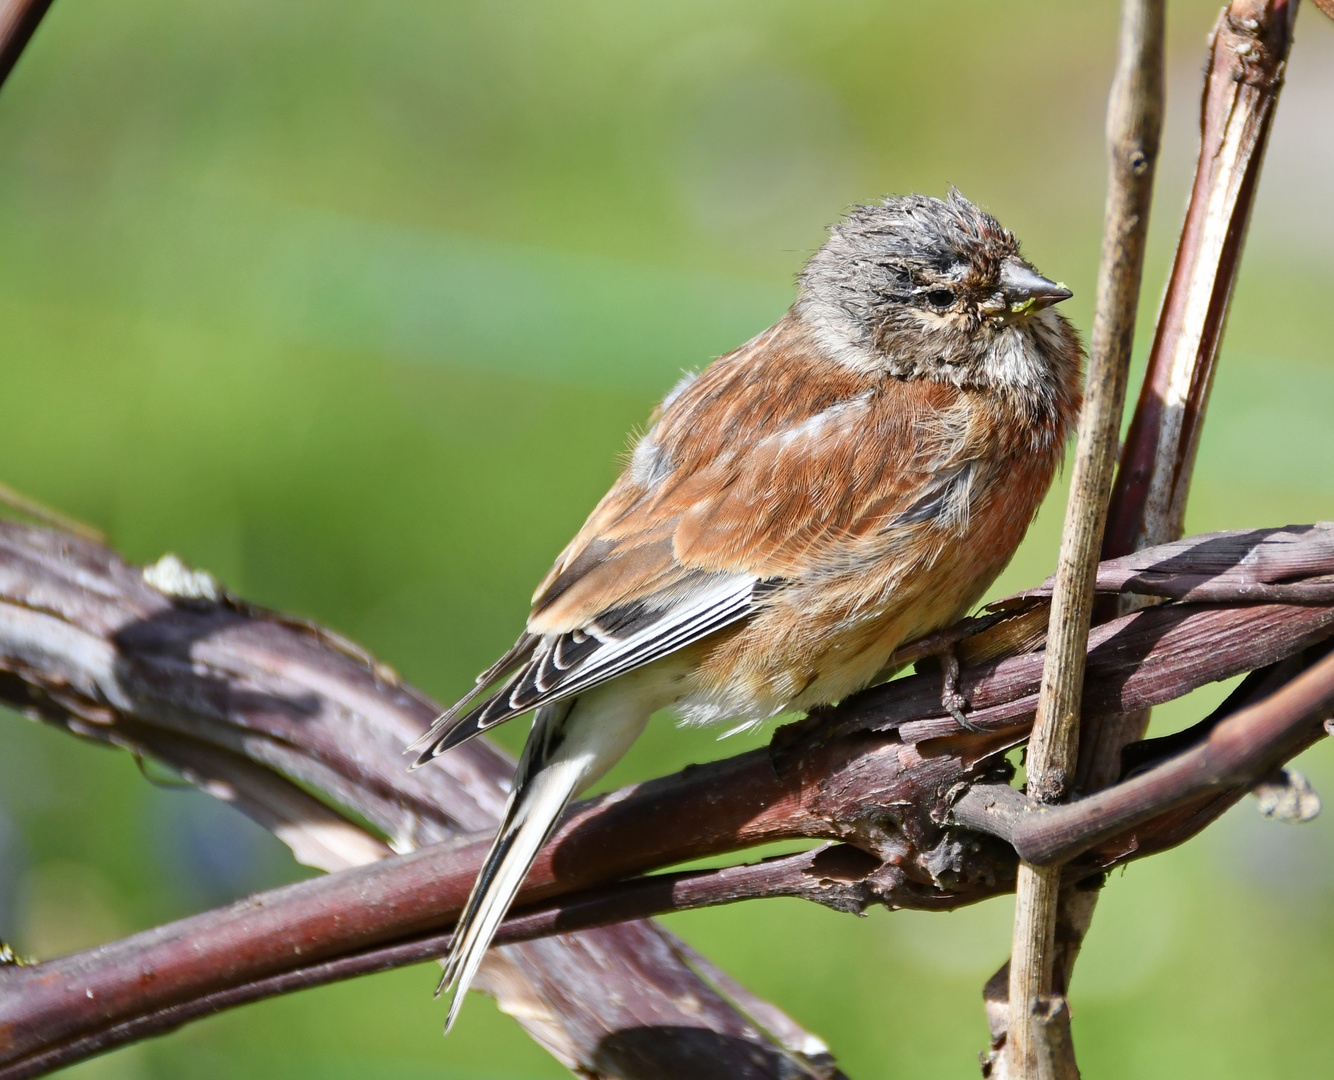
x=830 y=628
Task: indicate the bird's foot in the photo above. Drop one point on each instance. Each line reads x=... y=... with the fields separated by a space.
x=951 y=700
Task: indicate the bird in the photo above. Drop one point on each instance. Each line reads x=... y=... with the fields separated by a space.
x=850 y=479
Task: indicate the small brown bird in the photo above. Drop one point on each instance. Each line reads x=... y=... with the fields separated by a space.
x=854 y=477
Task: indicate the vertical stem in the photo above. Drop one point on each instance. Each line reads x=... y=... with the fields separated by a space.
x=1248 y=53
x=1134 y=118
x=1244 y=75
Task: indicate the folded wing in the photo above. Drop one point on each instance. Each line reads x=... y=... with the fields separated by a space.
x=618 y=640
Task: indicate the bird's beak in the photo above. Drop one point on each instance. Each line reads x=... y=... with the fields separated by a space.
x=1026 y=291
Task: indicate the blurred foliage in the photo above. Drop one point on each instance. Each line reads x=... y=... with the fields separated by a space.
x=353 y=304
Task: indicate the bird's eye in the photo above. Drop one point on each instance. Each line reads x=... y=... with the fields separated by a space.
x=941 y=298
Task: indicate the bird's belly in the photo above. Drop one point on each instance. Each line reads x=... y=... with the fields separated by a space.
x=787 y=659
x=822 y=639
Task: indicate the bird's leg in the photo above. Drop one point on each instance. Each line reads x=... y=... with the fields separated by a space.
x=951 y=700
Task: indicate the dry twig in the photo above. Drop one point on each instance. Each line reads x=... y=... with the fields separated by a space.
x=31 y=508
x=1134 y=120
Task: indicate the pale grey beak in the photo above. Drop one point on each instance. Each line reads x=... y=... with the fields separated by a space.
x=1026 y=290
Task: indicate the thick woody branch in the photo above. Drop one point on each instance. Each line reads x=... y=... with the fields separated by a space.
x=90 y=645
x=1134 y=120
x=839 y=876
x=1130 y=821
x=834 y=875
x=1238 y=750
x=260 y=709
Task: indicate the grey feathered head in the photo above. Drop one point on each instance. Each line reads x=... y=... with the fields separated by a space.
x=925 y=284
x=901 y=247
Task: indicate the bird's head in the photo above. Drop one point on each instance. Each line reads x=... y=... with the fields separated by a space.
x=933 y=288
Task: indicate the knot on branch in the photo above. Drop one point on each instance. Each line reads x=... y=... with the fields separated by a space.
x=1256 y=45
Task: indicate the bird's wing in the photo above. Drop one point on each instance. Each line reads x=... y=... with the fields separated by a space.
x=761 y=478
x=517 y=657
x=618 y=640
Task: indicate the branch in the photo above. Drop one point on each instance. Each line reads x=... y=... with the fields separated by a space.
x=1243 y=77
x=826 y=875
x=1244 y=74
x=37 y=511
x=1239 y=750
x=91 y=646
x=255 y=706
x=1134 y=120
x=1247 y=61
x=1221 y=567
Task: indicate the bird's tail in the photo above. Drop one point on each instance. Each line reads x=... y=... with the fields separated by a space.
x=545 y=781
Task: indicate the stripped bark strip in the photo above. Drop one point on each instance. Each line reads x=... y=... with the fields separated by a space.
x=31 y=508
x=1247 y=60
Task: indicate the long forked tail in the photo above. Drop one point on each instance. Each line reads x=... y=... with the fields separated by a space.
x=545 y=781
x=573 y=742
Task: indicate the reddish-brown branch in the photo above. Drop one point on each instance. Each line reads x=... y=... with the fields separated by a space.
x=840 y=876
x=1156 y=810
x=1239 y=750
x=246 y=702
x=833 y=875
x=1248 y=56
x=88 y=645
x=296 y=921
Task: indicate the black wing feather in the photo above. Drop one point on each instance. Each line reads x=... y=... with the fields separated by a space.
x=559 y=666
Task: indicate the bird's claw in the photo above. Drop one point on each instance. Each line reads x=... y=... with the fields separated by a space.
x=951 y=700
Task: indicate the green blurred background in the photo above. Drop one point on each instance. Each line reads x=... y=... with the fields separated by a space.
x=353 y=304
